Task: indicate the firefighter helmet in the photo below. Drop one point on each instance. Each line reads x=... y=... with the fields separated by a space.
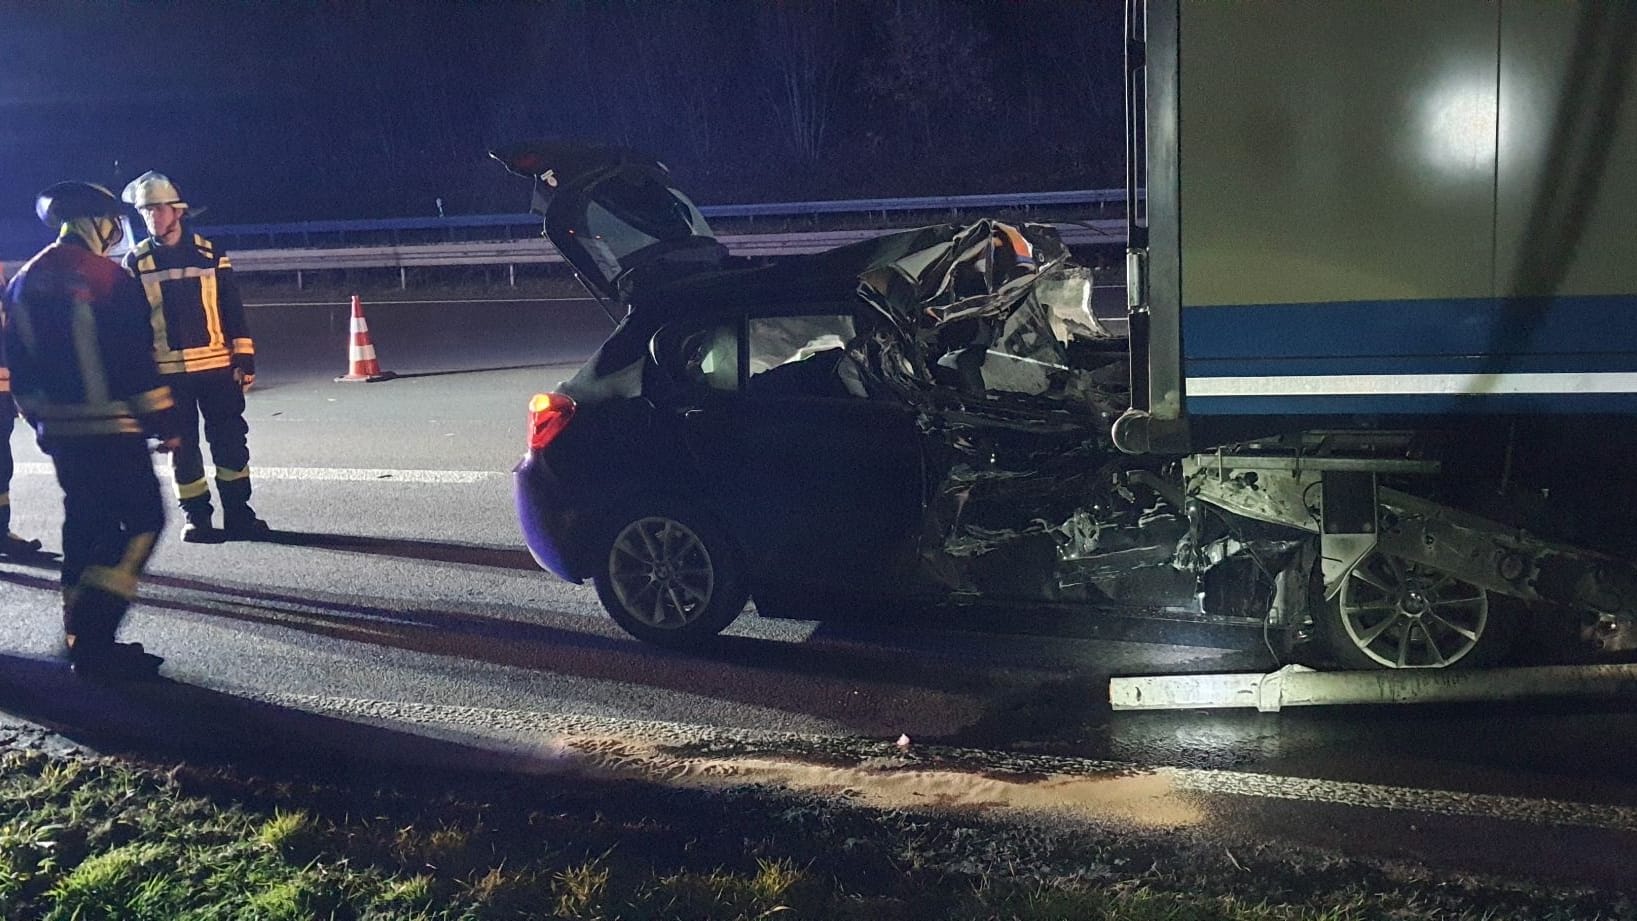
x=153 y=188
x=70 y=201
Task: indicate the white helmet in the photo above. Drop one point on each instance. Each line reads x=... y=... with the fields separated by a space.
x=153 y=188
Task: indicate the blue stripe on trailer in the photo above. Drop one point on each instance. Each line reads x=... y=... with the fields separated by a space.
x=1562 y=363
x=1463 y=326
x=1478 y=355
x=1531 y=403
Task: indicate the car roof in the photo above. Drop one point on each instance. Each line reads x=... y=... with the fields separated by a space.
x=792 y=282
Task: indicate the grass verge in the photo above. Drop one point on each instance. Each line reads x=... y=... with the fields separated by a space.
x=98 y=838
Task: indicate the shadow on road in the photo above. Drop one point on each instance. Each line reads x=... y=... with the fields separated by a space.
x=424 y=550
x=960 y=691
x=882 y=671
x=847 y=684
x=171 y=720
x=540 y=366
x=43 y=559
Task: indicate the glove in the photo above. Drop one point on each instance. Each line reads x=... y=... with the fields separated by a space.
x=246 y=379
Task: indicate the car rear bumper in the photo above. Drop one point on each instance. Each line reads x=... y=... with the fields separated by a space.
x=546 y=519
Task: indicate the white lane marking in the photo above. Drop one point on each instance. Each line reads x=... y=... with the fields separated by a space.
x=324 y=474
x=1192 y=780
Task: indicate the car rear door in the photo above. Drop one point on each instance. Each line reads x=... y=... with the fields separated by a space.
x=821 y=480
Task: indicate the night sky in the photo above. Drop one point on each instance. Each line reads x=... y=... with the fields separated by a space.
x=265 y=111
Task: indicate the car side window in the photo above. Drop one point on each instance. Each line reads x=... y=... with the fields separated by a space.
x=710 y=357
x=803 y=356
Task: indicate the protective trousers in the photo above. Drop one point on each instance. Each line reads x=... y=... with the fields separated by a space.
x=112 y=514
x=8 y=421
x=218 y=398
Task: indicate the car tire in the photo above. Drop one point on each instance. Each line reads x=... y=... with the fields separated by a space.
x=1394 y=613
x=671 y=575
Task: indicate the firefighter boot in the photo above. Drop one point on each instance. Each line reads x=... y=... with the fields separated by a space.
x=239 y=520
x=90 y=620
x=12 y=544
x=116 y=662
x=197 y=529
x=242 y=524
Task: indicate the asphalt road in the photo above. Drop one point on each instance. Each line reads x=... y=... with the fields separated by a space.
x=399 y=606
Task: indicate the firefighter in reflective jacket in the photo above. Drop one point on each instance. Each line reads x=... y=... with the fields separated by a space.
x=11 y=544
x=205 y=354
x=81 y=358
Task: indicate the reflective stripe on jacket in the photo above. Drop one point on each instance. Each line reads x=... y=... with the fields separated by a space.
x=79 y=347
x=194 y=306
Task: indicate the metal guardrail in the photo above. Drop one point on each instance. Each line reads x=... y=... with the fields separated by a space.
x=535 y=251
x=775 y=209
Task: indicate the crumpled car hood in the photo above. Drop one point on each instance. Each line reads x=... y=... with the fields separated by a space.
x=999 y=309
x=1028 y=497
x=986 y=269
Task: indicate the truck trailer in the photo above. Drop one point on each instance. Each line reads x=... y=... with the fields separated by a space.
x=1382 y=285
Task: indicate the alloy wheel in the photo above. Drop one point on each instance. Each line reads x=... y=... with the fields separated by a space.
x=1400 y=614
x=661 y=572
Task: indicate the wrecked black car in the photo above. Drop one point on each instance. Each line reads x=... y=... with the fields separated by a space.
x=923 y=415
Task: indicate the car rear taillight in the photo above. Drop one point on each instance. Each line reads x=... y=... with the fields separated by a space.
x=548 y=415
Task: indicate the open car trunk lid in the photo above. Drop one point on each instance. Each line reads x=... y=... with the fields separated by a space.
x=614 y=215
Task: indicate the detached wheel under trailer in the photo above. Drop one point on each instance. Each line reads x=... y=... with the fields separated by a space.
x=1399 y=583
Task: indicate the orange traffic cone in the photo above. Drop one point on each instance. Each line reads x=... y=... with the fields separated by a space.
x=361 y=352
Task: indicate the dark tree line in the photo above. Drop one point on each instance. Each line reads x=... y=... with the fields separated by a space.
x=310 y=110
